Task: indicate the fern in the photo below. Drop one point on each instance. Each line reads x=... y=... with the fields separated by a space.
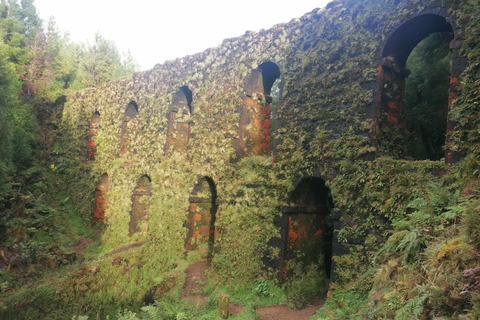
x=411 y=244
x=413 y=309
x=452 y=213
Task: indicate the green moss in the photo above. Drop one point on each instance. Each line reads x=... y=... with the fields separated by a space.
x=328 y=60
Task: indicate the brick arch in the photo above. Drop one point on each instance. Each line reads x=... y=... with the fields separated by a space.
x=178 y=128
x=254 y=134
x=201 y=217
x=93 y=131
x=140 y=197
x=307 y=227
x=101 y=198
x=392 y=73
x=129 y=128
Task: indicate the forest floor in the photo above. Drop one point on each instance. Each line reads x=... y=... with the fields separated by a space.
x=195 y=277
x=283 y=312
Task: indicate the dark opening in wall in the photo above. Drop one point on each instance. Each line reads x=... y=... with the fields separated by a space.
x=309 y=234
x=274 y=105
x=400 y=134
x=178 y=130
x=255 y=130
x=92 y=134
x=189 y=97
x=129 y=128
x=426 y=97
x=140 y=199
x=201 y=218
x=101 y=198
x=270 y=73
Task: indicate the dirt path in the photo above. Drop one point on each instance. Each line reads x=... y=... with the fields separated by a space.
x=194 y=279
x=192 y=288
x=123 y=249
x=80 y=246
x=282 y=312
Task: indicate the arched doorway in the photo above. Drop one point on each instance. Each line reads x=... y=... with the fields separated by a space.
x=414 y=124
x=129 y=128
x=309 y=229
x=255 y=130
x=201 y=218
x=140 y=198
x=178 y=130
x=92 y=134
x=101 y=198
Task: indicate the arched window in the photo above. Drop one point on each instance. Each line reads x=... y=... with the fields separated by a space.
x=129 y=129
x=92 y=134
x=256 y=114
x=140 y=198
x=309 y=230
x=101 y=198
x=178 y=130
x=418 y=75
x=201 y=218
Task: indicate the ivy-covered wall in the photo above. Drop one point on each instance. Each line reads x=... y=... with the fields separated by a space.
x=326 y=128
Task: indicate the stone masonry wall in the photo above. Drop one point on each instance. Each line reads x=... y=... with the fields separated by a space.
x=327 y=128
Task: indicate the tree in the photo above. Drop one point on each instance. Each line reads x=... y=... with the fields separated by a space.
x=427 y=90
x=101 y=63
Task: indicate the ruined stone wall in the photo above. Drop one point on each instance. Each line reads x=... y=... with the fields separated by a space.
x=327 y=128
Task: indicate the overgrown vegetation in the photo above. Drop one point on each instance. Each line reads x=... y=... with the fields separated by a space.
x=426 y=99
x=38 y=66
x=407 y=232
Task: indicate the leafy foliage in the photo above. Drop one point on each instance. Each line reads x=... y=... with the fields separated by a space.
x=426 y=102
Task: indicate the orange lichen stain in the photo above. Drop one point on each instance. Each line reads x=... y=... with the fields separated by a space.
x=197 y=217
x=392 y=119
x=382 y=74
x=100 y=205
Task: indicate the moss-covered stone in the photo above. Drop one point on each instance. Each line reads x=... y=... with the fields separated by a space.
x=327 y=127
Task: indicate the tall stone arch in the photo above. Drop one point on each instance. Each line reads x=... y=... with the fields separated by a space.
x=129 y=129
x=201 y=218
x=392 y=73
x=254 y=135
x=307 y=228
x=93 y=131
x=140 y=199
x=178 y=129
x=101 y=198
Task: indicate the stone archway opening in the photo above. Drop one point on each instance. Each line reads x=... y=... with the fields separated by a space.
x=101 y=198
x=419 y=70
x=188 y=97
x=92 y=135
x=140 y=199
x=129 y=128
x=178 y=128
x=201 y=218
x=255 y=132
x=426 y=97
x=309 y=231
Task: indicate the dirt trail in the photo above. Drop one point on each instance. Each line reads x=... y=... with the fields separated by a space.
x=282 y=312
x=194 y=279
x=80 y=246
x=192 y=288
x=123 y=249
